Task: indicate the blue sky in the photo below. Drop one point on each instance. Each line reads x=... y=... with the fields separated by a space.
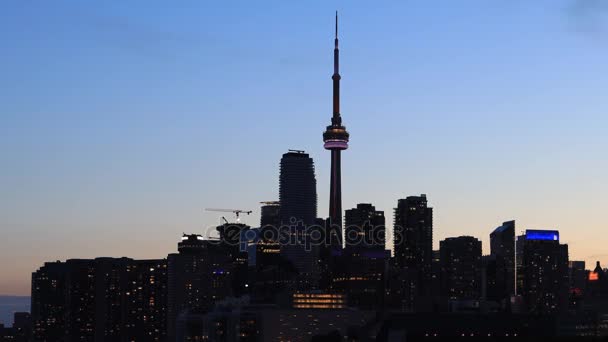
x=121 y=120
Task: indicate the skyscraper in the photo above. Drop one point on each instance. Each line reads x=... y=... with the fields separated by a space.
x=199 y=275
x=298 y=208
x=461 y=268
x=502 y=250
x=297 y=188
x=413 y=254
x=335 y=138
x=413 y=233
x=544 y=272
x=364 y=227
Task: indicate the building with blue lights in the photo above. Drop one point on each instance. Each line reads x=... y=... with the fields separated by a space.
x=544 y=272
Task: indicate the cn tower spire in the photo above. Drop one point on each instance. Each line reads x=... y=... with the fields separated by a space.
x=336 y=140
x=336 y=28
x=336 y=119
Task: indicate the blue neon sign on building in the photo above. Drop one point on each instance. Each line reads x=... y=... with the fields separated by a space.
x=547 y=235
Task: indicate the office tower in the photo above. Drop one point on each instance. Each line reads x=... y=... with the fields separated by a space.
x=502 y=263
x=297 y=188
x=364 y=227
x=335 y=139
x=544 y=271
x=413 y=254
x=461 y=268
x=199 y=275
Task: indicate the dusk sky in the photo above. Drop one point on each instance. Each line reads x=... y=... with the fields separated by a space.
x=120 y=121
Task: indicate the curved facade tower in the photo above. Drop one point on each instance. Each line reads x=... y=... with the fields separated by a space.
x=336 y=140
x=297 y=188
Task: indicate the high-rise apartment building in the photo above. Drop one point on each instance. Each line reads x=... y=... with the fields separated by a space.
x=411 y=276
x=103 y=299
x=364 y=228
x=460 y=259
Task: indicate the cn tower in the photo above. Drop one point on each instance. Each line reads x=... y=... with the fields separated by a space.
x=336 y=140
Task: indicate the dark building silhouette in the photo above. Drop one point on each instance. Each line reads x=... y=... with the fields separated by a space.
x=461 y=268
x=360 y=271
x=335 y=139
x=298 y=208
x=234 y=240
x=271 y=273
x=519 y=259
x=411 y=278
x=21 y=331
x=597 y=284
x=268 y=248
x=80 y=300
x=297 y=188
x=104 y=299
x=22 y=326
x=500 y=267
x=493 y=279
x=277 y=282
x=470 y=327
x=49 y=302
x=270 y=214
x=365 y=227
x=578 y=275
x=199 y=275
x=361 y=274
x=544 y=272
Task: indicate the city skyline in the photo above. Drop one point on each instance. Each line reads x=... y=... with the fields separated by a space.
x=474 y=179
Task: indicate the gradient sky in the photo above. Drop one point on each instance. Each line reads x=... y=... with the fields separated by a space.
x=120 y=121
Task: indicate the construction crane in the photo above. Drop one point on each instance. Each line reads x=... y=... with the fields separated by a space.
x=236 y=212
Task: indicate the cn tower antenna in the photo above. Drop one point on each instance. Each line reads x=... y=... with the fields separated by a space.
x=336 y=24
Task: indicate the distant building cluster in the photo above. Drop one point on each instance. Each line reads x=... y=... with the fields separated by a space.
x=298 y=277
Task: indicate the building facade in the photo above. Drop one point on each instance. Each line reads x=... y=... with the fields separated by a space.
x=411 y=272
x=544 y=271
x=461 y=268
x=103 y=299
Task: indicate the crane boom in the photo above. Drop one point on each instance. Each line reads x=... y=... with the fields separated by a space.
x=236 y=212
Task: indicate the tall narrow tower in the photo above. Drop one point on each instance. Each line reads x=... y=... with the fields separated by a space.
x=336 y=140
